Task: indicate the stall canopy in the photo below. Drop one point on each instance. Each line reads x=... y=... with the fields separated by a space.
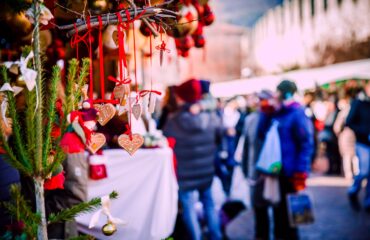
x=305 y=79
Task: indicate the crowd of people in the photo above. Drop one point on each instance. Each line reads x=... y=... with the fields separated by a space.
x=325 y=129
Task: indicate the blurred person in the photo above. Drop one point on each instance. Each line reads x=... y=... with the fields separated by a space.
x=249 y=147
x=169 y=105
x=296 y=135
x=225 y=161
x=195 y=136
x=346 y=138
x=358 y=120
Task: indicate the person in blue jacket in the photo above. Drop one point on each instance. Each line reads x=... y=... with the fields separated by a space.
x=296 y=137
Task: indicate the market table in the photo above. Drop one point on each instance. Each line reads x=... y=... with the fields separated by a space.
x=147 y=199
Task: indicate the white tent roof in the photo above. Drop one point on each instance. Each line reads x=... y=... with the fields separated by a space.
x=305 y=79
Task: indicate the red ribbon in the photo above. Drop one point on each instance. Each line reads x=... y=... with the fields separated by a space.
x=101 y=58
x=91 y=88
x=112 y=101
x=162 y=47
x=128 y=131
x=142 y=93
x=118 y=81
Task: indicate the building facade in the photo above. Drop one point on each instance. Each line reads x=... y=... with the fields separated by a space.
x=310 y=33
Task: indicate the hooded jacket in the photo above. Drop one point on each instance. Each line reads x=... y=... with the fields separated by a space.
x=195 y=146
x=296 y=138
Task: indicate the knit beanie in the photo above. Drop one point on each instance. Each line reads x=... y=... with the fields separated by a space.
x=189 y=91
x=205 y=84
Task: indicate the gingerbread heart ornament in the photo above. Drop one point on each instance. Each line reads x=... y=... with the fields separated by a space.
x=120 y=91
x=130 y=145
x=96 y=142
x=106 y=112
x=136 y=110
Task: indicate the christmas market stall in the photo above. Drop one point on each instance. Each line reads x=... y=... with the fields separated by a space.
x=77 y=95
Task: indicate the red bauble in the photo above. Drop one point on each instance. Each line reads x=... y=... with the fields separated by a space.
x=199 y=8
x=187 y=23
x=208 y=16
x=199 y=41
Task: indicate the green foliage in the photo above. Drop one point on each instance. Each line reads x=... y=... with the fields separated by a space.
x=83 y=237
x=20 y=208
x=50 y=116
x=84 y=207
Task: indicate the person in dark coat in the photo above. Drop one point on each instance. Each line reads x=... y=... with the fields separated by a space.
x=359 y=121
x=195 y=135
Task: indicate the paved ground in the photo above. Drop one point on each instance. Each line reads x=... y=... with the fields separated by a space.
x=335 y=220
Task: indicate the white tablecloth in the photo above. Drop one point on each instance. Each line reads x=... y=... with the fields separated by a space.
x=148 y=193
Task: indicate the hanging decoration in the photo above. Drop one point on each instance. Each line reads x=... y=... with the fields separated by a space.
x=130 y=142
x=110 y=227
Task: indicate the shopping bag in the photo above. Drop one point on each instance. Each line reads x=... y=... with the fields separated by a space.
x=269 y=160
x=300 y=211
x=271 y=190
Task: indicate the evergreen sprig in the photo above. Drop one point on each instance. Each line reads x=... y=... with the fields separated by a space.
x=20 y=152
x=84 y=72
x=20 y=208
x=83 y=237
x=84 y=207
x=70 y=86
x=50 y=117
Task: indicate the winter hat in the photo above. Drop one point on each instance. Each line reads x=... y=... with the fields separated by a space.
x=287 y=89
x=265 y=94
x=205 y=84
x=189 y=91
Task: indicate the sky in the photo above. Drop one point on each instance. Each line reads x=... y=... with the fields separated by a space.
x=242 y=12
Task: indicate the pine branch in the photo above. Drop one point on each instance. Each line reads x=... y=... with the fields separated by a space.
x=20 y=208
x=30 y=133
x=20 y=151
x=51 y=115
x=84 y=237
x=71 y=80
x=84 y=207
x=84 y=72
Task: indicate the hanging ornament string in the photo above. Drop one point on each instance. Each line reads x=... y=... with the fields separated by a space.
x=135 y=64
x=121 y=48
x=162 y=48
x=101 y=58
x=91 y=88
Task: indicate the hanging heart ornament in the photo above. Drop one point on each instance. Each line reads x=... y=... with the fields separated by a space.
x=96 y=142
x=120 y=91
x=136 y=110
x=130 y=145
x=106 y=112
